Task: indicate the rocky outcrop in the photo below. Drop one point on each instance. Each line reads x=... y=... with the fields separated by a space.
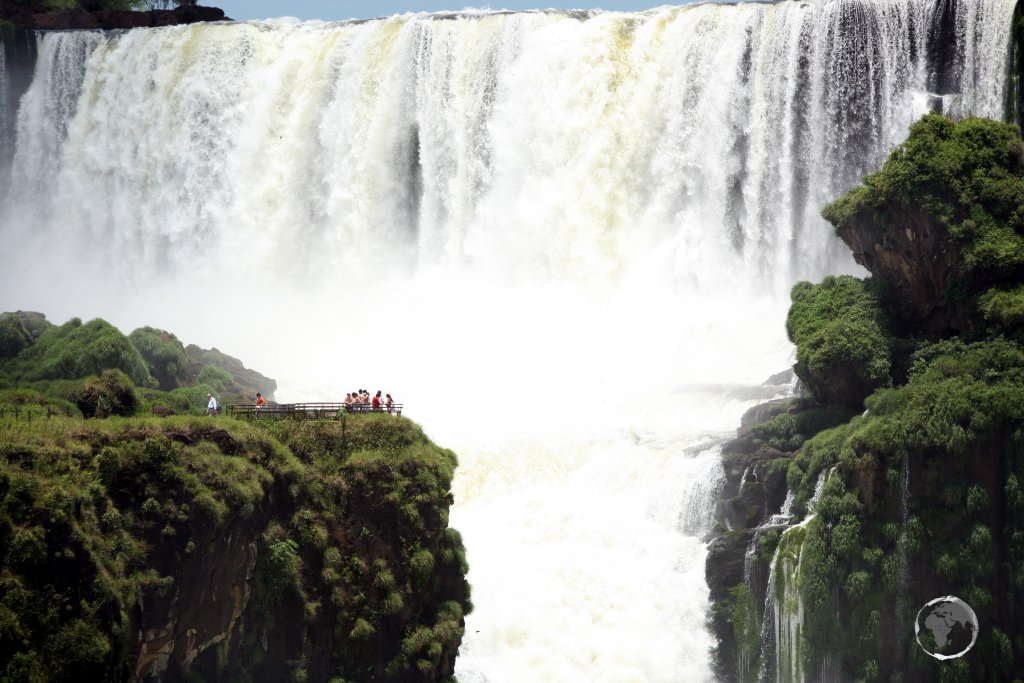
x=754 y=490
x=919 y=264
x=206 y=550
x=92 y=16
x=920 y=495
x=245 y=382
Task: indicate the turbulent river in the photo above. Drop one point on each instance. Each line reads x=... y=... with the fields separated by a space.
x=564 y=240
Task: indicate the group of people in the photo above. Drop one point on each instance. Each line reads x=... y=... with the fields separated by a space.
x=361 y=400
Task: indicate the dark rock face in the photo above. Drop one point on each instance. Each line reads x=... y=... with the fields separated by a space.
x=91 y=16
x=755 y=489
x=19 y=57
x=919 y=264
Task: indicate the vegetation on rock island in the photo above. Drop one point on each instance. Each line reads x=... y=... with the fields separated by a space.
x=919 y=494
x=190 y=548
x=64 y=364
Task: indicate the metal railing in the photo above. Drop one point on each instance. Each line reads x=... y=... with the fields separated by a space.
x=306 y=411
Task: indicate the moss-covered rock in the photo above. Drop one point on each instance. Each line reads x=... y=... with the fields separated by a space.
x=14 y=338
x=112 y=393
x=920 y=495
x=239 y=382
x=75 y=350
x=942 y=222
x=843 y=348
x=165 y=357
x=190 y=548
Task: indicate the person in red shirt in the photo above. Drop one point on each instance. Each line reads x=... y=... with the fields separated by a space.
x=376 y=401
x=390 y=402
x=260 y=401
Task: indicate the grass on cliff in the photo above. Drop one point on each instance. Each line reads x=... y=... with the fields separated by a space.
x=962 y=400
x=99 y=515
x=164 y=355
x=921 y=494
x=75 y=350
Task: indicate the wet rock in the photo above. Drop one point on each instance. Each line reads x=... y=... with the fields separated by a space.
x=918 y=262
x=94 y=16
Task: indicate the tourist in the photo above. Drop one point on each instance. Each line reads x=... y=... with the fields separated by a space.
x=389 y=403
x=260 y=401
x=348 y=402
x=376 y=400
x=211 y=405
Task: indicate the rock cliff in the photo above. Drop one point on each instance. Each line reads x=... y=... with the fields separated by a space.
x=919 y=495
x=209 y=549
x=93 y=15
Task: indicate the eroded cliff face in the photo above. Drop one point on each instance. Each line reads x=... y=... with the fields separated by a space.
x=155 y=550
x=92 y=15
x=916 y=491
x=920 y=264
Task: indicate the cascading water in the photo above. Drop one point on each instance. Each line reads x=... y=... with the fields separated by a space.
x=564 y=240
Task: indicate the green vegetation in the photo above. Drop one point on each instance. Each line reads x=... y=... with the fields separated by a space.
x=947 y=423
x=789 y=430
x=112 y=393
x=215 y=377
x=164 y=355
x=967 y=179
x=336 y=530
x=843 y=350
x=14 y=338
x=75 y=350
x=110 y=527
x=66 y=365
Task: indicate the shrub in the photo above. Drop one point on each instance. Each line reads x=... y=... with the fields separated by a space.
x=14 y=338
x=164 y=355
x=967 y=177
x=215 y=377
x=74 y=350
x=843 y=349
x=191 y=400
x=112 y=393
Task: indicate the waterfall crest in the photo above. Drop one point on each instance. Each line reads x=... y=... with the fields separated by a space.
x=514 y=142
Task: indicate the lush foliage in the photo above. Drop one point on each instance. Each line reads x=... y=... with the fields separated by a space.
x=348 y=522
x=215 y=377
x=789 y=430
x=59 y=361
x=843 y=350
x=74 y=350
x=968 y=178
x=112 y=393
x=920 y=496
x=14 y=338
x=164 y=355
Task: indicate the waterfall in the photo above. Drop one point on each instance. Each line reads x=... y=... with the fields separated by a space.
x=5 y=141
x=904 y=606
x=784 y=609
x=564 y=240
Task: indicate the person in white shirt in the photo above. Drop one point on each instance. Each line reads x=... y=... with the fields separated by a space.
x=211 y=405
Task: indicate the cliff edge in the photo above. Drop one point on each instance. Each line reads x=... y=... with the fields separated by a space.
x=908 y=485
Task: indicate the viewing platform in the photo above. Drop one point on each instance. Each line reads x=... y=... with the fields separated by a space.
x=306 y=411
